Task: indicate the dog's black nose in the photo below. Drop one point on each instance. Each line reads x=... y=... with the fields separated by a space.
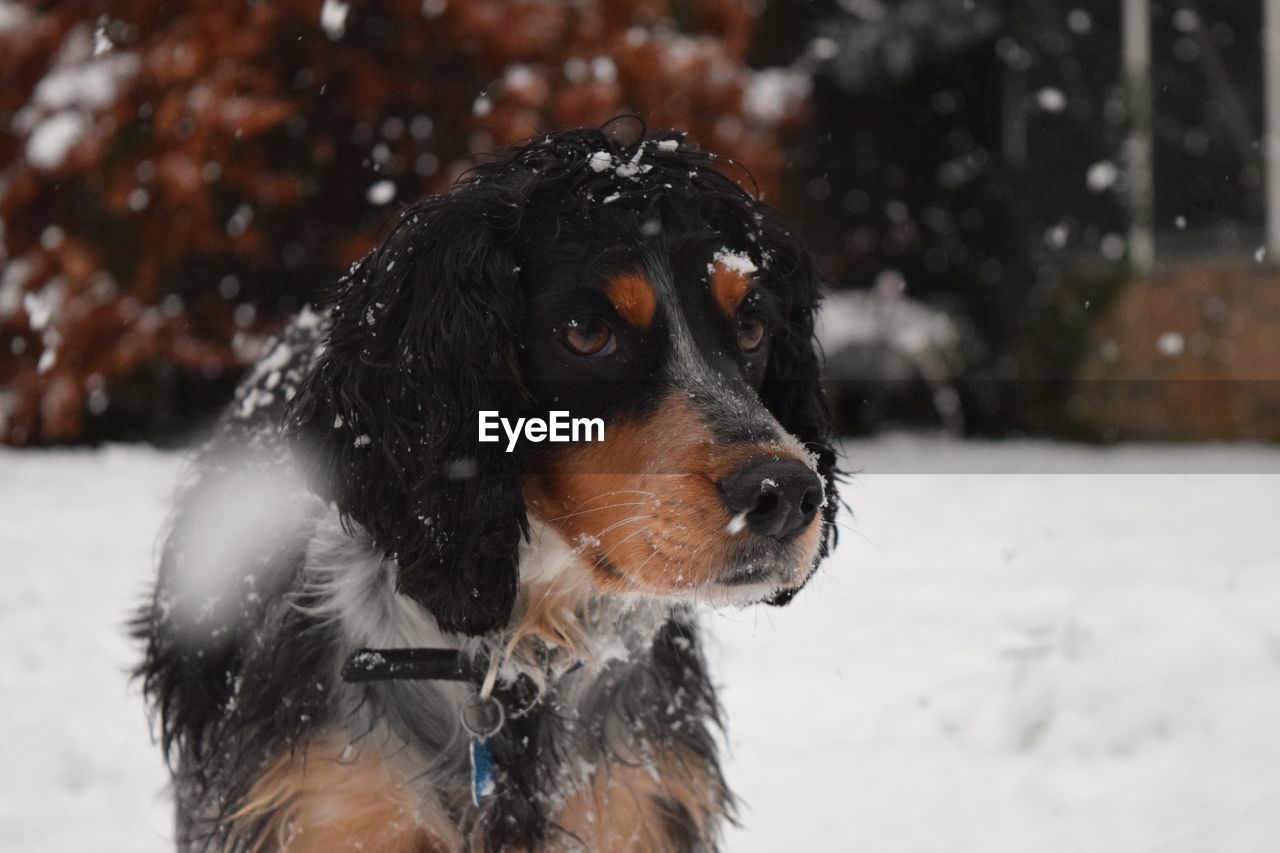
x=774 y=497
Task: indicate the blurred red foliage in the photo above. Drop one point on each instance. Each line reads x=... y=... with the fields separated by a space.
x=175 y=178
x=1187 y=353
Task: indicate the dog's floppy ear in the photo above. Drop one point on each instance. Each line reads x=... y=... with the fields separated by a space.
x=792 y=388
x=424 y=334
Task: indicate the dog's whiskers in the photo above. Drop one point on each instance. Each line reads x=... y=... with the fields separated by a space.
x=624 y=521
x=577 y=513
x=609 y=494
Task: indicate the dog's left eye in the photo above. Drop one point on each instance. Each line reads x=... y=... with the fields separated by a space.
x=751 y=333
x=590 y=337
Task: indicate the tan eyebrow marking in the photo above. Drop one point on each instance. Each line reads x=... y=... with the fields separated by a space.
x=728 y=286
x=632 y=295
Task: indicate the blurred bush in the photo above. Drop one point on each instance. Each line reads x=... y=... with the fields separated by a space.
x=175 y=178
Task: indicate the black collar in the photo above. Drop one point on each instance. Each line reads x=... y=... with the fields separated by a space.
x=422 y=664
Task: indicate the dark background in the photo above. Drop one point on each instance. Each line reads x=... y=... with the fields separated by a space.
x=176 y=178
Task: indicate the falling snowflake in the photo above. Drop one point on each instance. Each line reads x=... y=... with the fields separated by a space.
x=381 y=193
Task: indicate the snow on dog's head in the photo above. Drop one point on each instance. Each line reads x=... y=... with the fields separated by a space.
x=617 y=277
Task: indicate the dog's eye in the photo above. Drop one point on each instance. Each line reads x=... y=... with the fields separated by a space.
x=751 y=333
x=591 y=337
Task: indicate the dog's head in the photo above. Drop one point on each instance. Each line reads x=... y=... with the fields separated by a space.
x=622 y=279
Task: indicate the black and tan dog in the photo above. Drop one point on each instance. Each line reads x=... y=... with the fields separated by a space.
x=346 y=503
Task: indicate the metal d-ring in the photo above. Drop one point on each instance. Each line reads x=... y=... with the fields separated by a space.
x=483 y=716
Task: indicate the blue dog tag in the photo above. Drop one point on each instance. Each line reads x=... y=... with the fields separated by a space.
x=482 y=783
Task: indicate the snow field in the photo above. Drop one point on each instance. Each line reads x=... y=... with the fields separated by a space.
x=1002 y=656
x=1022 y=661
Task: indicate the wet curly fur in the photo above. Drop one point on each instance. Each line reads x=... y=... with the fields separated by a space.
x=390 y=524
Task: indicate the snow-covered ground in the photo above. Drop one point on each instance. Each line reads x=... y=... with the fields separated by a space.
x=1017 y=647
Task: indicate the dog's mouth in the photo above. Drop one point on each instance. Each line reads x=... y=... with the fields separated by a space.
x=746 y=576
x=752 y=574
x=762 y=572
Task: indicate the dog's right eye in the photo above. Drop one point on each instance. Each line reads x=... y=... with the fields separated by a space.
x=751 y=333
x=588 y=338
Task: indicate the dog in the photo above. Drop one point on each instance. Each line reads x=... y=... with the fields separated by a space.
x=372 y=630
